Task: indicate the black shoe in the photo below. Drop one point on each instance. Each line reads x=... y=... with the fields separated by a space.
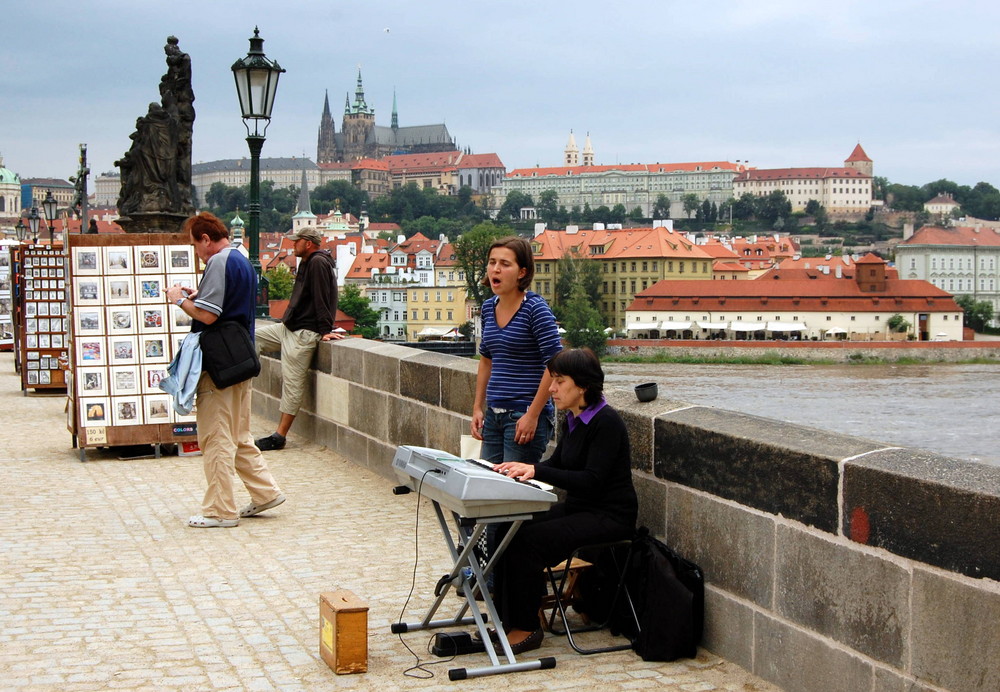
x=529 y=643
x=270 y=443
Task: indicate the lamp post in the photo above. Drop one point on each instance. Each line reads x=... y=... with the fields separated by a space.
x=22 y=230
x=51 y=206
x=256 y=84
x=33 y=220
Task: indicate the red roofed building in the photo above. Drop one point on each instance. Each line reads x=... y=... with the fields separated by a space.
x=846 y=190
x=962 y=260
x=818 y=307
x=631 y=260
x=632 y=185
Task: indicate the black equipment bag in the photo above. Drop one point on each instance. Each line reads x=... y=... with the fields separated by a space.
x=668 y=593
x=228 y=354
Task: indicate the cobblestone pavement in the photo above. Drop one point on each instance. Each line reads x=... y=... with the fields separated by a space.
x=103 y=586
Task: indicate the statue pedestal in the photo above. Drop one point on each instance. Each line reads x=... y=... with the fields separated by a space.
x=153 y=222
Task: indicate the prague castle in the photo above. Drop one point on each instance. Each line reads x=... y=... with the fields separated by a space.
x=361 y=138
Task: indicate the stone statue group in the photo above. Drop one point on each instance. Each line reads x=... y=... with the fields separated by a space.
x=156 y=170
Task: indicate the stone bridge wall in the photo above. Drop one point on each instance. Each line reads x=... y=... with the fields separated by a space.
x=831 y=562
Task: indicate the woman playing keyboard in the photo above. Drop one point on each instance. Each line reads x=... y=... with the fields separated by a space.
x=593 y=464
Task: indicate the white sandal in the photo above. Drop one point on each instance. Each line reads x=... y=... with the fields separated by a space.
x=200 y=522
x=252 y=509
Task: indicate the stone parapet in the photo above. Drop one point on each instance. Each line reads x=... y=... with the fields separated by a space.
x=831 y=562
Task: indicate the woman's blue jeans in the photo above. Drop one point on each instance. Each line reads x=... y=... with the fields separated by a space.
x=498 y=438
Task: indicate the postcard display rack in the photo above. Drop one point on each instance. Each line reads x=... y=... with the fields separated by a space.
x=40 y=290
x=123 y=334
x=6 y=297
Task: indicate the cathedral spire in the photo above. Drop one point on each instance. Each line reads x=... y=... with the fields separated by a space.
x=571 y=153
x=359 y=97
x=326 y=146
x=588 y=152
x=304 y=202
x=347 y=104
x=395 y=114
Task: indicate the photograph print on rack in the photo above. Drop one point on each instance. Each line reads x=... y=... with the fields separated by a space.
x=118 y=260
x=89 y=321
x=152 y=375
x=90 y=351
x=126 y=411
x=94 y=411
x=181 y=258
x=121 y=320
x=154 y=349
x=87 y=290
x=123 y=350
x=92 y=381
x=125 y=380
x=149 y=259
x=119 y=290
x=151 y=289
x=152 y=319
x=86 y=260
x=157 y=409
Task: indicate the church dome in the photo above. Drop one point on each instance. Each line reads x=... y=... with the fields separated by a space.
x=8 y=176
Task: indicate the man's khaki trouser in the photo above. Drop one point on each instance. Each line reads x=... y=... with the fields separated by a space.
x=226 y=444
x=297 y=349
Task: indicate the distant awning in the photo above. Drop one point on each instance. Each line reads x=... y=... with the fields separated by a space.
x=643 y=326
x=432 y=331
x=712 y=325
x=748 y=326
x=786 y=327
x=669 y=324
x=836 y=330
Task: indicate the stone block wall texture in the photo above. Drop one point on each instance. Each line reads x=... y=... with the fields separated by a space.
x=831 y=562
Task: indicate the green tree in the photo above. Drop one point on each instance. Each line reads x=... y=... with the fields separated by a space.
x=618 y=213
x=691 y=203
x=978 y=313
x=813 y=206
x=576 y=270
x=773 y=206
x=636 y=214
x=661 y=208
x=324 y=198
x=548 y=206
x=583 y=323
x=511 y=207
x=472 y=254
x=898 y=323
x=352 y=303
x=280 y=281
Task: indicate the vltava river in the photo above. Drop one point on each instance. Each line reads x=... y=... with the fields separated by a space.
x=949 y=409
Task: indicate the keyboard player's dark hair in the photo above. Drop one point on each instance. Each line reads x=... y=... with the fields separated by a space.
x=582 y=365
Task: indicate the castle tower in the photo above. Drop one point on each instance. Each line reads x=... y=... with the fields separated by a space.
x=326 y=146
x=588 y=152
x=572 y=153
x=859 y=161
x=359 y=121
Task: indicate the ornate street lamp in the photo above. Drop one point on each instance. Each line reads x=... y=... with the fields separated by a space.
x=51 y=206
x=33 y=220
x=256 y=85
x=22 y=230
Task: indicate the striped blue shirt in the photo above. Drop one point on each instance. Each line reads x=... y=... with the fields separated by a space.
x=519 y=352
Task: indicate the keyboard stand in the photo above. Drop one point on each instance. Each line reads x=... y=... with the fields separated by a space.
x=463 y=554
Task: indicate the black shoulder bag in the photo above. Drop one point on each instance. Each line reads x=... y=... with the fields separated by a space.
x=228 y=354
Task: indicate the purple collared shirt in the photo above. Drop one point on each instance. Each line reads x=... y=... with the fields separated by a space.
x=585 y=415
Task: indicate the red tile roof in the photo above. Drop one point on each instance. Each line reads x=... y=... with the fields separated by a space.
x=480 y=161
x=615 y=244
x=798 y=173
x=706 y=166
x=959 y=235
x=365 y=262
x=793 y=294
x=858 y=155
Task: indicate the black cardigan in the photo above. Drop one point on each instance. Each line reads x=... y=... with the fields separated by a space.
x=594 y=465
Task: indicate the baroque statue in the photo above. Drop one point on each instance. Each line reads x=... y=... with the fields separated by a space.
x=156 y=171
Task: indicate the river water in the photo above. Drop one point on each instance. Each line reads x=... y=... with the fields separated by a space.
x=949 y=409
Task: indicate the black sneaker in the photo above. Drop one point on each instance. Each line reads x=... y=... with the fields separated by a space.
x=270 y=443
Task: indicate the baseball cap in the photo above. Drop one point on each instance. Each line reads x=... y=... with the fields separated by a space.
x=309 y=233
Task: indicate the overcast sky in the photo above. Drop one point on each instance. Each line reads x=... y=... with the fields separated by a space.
x=777 y=82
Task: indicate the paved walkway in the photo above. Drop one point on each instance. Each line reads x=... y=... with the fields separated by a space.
x=103 y=586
